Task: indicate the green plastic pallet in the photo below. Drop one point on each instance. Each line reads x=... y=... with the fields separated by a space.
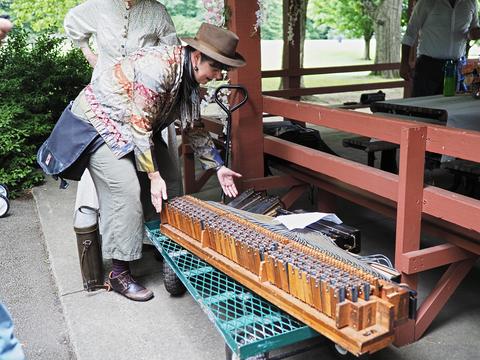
x=249 y=324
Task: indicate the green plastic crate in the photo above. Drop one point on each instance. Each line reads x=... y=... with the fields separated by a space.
x=249 y=324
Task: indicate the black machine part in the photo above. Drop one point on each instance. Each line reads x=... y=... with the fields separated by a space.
x=344 y=236
x=229 y=117
x=229 y=112
x=369 y=98
x=297 y=134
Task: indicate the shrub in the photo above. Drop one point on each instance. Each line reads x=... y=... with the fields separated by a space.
x=37 y=80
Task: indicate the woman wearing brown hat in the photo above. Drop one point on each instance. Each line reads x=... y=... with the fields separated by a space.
x=127 y=105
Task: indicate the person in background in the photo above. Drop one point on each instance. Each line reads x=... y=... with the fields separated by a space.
x=442 y=28
x=120 y=27
x=139 y=96
x=5 y=27
x=10 y=348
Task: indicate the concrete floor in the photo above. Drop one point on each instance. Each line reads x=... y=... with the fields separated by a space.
x=41 y=284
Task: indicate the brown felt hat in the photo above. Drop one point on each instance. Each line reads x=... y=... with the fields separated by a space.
x=218 y=43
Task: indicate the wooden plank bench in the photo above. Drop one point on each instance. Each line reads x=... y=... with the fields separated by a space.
x=388 y=151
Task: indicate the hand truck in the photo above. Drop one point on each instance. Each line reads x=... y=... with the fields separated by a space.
x=250 y=325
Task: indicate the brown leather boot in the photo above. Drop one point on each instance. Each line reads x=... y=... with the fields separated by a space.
x=125 y=284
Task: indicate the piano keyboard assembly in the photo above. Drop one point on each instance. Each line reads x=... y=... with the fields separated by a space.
x=314 y=280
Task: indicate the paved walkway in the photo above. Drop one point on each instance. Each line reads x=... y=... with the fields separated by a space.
x=106 y=325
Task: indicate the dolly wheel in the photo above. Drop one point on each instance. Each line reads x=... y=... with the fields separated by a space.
x=4 y=190
x=229 y=355
x=342 y=353
x=172 y=283
x=4 y=206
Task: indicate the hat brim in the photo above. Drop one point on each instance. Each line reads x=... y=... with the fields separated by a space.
x=237 y=61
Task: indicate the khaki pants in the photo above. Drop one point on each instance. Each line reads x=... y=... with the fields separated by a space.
x=121 y=216
x=169 y=171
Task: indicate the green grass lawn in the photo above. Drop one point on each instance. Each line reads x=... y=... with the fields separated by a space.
x=320 y=53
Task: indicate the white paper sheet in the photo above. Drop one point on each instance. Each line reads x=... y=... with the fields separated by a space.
x=300 y=221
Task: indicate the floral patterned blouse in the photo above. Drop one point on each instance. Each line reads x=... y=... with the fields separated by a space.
x=137 y=97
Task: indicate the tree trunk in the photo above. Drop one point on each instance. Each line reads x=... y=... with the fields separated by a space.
x=293 y=48
x=366 y=54
x=388 y=32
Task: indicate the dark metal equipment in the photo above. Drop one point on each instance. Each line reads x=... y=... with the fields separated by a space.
x=229 y=116
x=4 y=202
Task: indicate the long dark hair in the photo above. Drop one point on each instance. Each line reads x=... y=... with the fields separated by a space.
x=188 y=78
x=189 y=94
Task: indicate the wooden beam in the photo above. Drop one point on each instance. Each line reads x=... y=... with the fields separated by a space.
x=345 y=120
x=271 y=182
x=213 y=125
x=347 y=171
x=460 y=143
x=443 y=204
x=293 y=194
x=329 y=70
x=346 y=191
x=425 y=259
x=455 y=208
x=465 y=238
x=295 y=92
x=459 y=236
x=437 y=299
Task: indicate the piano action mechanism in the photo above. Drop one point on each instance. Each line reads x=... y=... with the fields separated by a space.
x=323 y=286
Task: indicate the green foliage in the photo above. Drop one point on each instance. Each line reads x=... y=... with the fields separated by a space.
x=186 y=27
x=315 y=31
x=185 y=8
x=187 y=15
x=41 y=15
x=273 y=27
x=5 y=6
x=404 y=19
x=39 y=78
x=354 y=18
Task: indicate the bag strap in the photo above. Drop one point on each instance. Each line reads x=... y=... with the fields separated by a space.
x=63 y=183
x=86 y=207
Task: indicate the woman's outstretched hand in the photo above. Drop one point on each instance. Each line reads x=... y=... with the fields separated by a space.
x=158 y=190
x=225 y=177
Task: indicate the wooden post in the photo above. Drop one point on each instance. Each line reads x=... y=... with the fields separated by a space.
x=291 y=49
x=247 y=127
x=409 y=212
x=410 y=197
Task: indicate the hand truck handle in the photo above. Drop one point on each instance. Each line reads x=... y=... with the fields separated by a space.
x=236 y=106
